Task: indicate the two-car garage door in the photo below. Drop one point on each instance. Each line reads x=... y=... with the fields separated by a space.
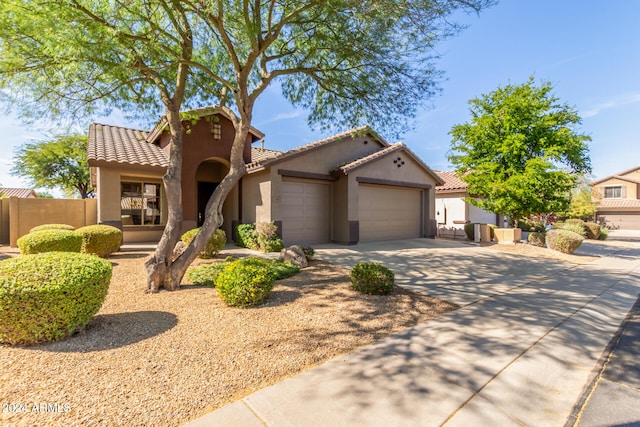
x=389 y=212
x=385 y=212
x=620 y=220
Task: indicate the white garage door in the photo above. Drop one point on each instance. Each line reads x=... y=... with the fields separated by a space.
x=621 y=220
x=387 y=213
x=305 y=212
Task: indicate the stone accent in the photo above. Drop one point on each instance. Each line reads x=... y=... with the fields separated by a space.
x=295 y=255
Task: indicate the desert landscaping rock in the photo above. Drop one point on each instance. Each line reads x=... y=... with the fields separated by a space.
x=295 y=255
x=165 y=359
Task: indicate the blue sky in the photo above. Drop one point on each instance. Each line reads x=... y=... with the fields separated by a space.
x=589 y=51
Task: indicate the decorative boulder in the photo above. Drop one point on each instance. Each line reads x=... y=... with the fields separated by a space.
x=295 y=255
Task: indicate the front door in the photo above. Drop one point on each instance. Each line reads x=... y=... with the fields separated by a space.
x=205 y=190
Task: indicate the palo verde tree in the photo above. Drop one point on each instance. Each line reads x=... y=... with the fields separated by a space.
x=59 y=162
x=347 y=62
x=521 y=151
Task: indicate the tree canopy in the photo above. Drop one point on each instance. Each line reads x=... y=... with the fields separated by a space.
x=347 y=62
x=58 y=162
x=521 y=152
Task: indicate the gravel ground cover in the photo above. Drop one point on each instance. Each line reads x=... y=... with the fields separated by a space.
x=167 y=358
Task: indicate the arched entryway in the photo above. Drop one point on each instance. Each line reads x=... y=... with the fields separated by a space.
x=208 y=175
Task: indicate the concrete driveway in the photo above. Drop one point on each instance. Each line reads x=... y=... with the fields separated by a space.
x=522 y=350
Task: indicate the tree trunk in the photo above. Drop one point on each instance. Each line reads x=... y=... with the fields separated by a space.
x=160 y=273
x=163 y=272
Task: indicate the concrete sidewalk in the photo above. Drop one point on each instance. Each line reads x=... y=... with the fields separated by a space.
x=520 y=351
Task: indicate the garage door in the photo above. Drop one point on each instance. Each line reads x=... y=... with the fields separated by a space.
x=305 y=212
x=621 y=220
x=388 y=212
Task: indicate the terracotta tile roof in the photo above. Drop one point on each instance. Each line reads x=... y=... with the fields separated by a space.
x=21 y=193
x=123 y=145
x=451 y=182
x=262 y=154
x=617 y=175
x=314 y=145
x=606 y=204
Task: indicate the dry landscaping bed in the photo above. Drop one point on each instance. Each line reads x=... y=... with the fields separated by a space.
x=167 y=358
x=536 y=251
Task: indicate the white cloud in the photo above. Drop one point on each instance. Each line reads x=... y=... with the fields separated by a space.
x=616 y=102
x=281 y=116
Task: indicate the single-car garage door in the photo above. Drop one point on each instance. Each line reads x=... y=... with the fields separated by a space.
x=621 y=220
x=388 y=212
x=305 y=211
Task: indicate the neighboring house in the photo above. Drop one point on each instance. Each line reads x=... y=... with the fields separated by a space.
x=21 y=193
x=453 y=211
x=349 y=188
x=618 y=206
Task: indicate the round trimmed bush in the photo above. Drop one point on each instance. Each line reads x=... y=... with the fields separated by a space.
x=469 y=230
x=49 y=296
x=52 y=227
x=604 y=233
x=372 y=278
x=536 y=238
x=50 y=241
x=214 y=245
x=245 y=283
x=100 y=239
x=593 y=230
x=562 y=240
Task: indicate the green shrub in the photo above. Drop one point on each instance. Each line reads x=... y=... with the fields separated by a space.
x=215 y=244
x=49 y=296
x=50 y=241
x=575 y=225
x=536 y=238
x=100 y=239
x=469 y=231
x=52 y=227
x=309 y=252
x=206 y=274
x=268 y=240
x=246 y=236
x=593 y=230
x=604 y=233
x=245 y=283
x=279 y=269
x=372 y=278
x=563 y=240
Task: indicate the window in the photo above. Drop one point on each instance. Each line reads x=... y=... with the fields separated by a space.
x=140 y=203
x=613 y=192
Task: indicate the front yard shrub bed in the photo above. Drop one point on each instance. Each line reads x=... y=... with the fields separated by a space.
x=100 y=239
x=50 y=241
x=259 y=237
x=593 y=230
x=372 y=278
x=215 y=244
x=245 y=283
x=563 y=240
x=49 y=296
x=537 y=239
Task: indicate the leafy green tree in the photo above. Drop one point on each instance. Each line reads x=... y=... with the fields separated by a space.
x=583 y=198
x=521 y=151
x=347 y=62
x=59 y=162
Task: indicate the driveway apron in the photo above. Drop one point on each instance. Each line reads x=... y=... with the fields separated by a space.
x=521 y=350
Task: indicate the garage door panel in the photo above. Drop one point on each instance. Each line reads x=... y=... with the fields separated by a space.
x=387 y=212
x=305 y=211
x=621 y=220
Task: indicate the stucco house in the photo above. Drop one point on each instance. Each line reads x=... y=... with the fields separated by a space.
x=349 y=188
x=618 y=204
x=453 y=211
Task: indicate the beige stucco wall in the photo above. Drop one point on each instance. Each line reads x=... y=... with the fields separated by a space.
x=632 y=190
x=256 y=197
x=25 y=214
x=449 y=208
